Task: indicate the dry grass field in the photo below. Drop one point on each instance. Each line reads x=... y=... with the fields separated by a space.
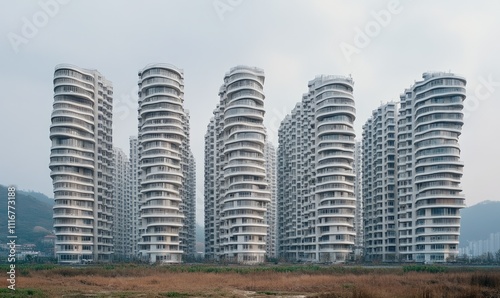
x=258 y=281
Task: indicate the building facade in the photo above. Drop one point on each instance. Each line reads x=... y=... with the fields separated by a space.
x=429 y=168
x=316 y=199
x=134 y=194
x=358 y=192
x=188 y=194
x=236 y=188
x=122 y=216
x=380 y=184
x=81 y=164
x=270 y=155
x=210 y=189
x=162 y=135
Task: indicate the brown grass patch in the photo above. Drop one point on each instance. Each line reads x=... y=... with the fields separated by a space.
x=143 y=281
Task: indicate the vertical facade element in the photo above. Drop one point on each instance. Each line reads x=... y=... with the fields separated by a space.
x=190 y=210
x=316 y=180
x=161 y=137
x=236 y=190
x=358 y=192
x=123 y=216
x=379 y=184
x=270 y=155
x=134 y=194
x=188 y=194
x=405 y=178
x=211 y=208
x=429 y=168
x=80 y=163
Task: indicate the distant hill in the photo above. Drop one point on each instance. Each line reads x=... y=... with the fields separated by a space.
x=33 y=215
x=40 y=196
x=479 y=221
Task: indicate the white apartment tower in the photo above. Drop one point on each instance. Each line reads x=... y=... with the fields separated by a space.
x=271 y=167
x=188 y=193
x=122 y=215
x=236 y=187
x=379 y=184
x=429 y=168
x=358 y=192
x=134 y=194
x=190 y=207
x=211 y=188
x=162 y=135
x=80 y=163
x=316 y=199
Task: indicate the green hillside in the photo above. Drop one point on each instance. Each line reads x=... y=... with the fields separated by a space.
x=31 y=211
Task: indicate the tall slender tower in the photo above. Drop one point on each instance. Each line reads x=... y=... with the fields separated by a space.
x=122 y=216
x=134 y=194
x=379 y=184
x=161 y=137
x=429 y=168
x=316 y=179
x=236 y=189
x=80 y=163
x=211 y=189
x=188 y=194
x=270 y=155
x=190 y=208
x=358 y=191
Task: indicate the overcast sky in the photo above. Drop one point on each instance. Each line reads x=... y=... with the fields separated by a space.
x=384 y=45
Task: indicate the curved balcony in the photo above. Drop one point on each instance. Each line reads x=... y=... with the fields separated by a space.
x=161 y=136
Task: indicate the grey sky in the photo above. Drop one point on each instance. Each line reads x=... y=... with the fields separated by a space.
x=292 y=40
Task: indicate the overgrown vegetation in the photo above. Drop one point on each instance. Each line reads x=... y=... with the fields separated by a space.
x=20 y=292
x=130 y=280
x=425 y=268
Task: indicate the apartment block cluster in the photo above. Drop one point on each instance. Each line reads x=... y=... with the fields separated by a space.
x=321 y=196
x=478 y=248
x=110 y=206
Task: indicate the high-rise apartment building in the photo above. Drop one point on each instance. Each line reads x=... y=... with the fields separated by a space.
x=271 y=167
x=188 y=193
x=236 y=187
x=122 y=215
x=429 y=169
x=81 y=164
x=190 y=208
x=379 y=184
x=162 y=166
x=212 y=146
x=134 y=194
x=316 y=199
x=358 y=192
